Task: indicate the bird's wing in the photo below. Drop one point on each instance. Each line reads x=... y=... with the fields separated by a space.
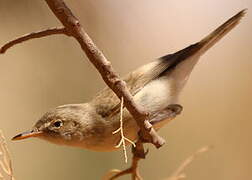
x=179 y=65
x=106 y=102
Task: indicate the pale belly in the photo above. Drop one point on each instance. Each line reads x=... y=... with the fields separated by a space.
x=110 y=140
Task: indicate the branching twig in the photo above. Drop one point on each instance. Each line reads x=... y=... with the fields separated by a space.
x=5 y=165
x=123 y=139
x=32 y=35
x=178 y=174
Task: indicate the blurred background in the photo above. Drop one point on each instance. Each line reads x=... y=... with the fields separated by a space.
x=43 y=73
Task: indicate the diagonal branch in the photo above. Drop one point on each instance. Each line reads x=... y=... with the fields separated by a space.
x=33 y=35
x=75 y=29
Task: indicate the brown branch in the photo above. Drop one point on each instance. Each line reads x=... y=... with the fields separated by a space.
x=178 y=174
x=33 y=35
x=74 y=29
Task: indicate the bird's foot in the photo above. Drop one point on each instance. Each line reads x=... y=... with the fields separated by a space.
x=132 y=170
x=138 y=153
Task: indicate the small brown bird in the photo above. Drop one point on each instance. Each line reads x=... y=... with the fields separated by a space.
x=156 y=86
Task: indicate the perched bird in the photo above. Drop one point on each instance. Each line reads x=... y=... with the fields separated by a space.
x=156 y=86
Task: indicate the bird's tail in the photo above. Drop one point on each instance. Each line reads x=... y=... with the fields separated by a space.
x=182 y=62
x=220 y=32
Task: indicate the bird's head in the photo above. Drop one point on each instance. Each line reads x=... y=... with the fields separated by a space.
x=61 y=125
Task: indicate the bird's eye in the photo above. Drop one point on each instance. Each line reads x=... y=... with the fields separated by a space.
x=57 y=124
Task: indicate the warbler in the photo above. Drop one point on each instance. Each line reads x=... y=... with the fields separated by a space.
x=155 y=86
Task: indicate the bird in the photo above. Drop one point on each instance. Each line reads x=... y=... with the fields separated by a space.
x=155 y=86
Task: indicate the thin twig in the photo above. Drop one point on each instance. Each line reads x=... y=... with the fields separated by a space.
x=178 y=174
x=123 y=139
x=6 y=164
x=33 y=35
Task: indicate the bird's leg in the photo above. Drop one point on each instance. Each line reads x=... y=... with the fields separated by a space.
x=138 y=154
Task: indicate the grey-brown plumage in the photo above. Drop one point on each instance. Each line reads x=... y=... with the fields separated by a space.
x=156 y=86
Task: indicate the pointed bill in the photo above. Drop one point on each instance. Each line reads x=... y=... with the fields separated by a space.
x=27 y=134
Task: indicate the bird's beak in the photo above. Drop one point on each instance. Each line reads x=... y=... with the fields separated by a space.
x=27 y=134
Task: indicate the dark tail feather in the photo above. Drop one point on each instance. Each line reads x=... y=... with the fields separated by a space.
x=182 y=62
x=221 y=31
x=206 y=43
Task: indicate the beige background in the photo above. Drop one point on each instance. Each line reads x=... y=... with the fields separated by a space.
x=45 y=73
